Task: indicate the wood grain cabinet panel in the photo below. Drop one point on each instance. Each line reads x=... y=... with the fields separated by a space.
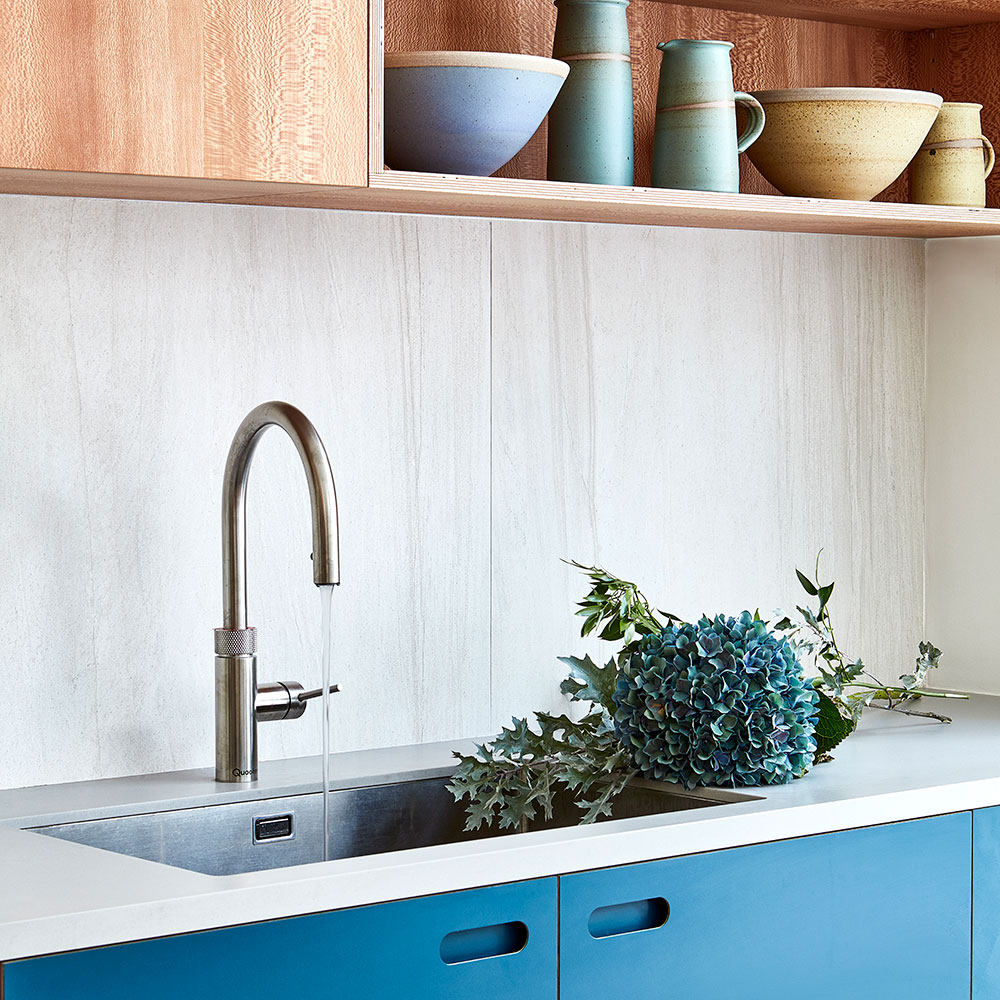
x=259 y=90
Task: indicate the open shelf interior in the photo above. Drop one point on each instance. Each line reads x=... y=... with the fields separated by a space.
x=893 y=48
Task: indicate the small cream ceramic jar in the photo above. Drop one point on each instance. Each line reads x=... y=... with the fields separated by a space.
x=952 y=165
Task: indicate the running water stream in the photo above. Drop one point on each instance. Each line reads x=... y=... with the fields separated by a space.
x=326 y=596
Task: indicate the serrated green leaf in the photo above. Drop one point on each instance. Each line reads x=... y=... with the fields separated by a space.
x=517 y=776
x=832 y=728
x=589 y=682
x=927 y=659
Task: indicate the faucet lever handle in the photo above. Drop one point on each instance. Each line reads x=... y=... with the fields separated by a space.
x=306 y=695
x=284 y=700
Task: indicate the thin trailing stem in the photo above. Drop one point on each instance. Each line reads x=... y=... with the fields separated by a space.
x=904 y=694
x=847 y=688
x=911 y=711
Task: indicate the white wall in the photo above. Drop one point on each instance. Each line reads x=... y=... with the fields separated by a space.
x=698 y=410
x=963 y=459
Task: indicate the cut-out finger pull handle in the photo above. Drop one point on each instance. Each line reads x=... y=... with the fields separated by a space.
x=627 y=918
x=483 y=942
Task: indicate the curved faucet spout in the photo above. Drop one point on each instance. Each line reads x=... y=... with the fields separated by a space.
x=240 y=702
x=322 y=498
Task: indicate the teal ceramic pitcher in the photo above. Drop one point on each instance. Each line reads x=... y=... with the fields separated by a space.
x=695 y=145
x=590 y=124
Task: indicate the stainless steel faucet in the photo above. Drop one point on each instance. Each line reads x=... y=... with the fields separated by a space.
x=240 y=703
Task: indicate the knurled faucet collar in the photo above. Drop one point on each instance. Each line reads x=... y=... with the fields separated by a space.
x=236 y=642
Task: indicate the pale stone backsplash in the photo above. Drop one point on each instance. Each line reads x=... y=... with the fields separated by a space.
x=698 y=410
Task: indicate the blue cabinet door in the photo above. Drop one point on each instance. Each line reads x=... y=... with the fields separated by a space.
x=498 y=942
x=986 y=904
x=881 y=912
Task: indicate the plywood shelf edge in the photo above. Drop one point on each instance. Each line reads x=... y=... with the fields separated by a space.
x=525 y=199
x=492 y=197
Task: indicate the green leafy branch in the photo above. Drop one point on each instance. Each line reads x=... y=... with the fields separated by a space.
x=515 y=778
x=847 y=687
x=619 y=606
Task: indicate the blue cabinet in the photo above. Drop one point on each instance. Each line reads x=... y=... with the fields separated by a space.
x=986 y=904
x=882 y=912
x=877 y=912
x=488 y=944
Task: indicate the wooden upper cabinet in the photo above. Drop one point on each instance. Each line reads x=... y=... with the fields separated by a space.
x=245 y=90
x=279 y=102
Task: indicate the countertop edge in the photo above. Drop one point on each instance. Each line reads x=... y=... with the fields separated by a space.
x=61 y=896
x=314 y=888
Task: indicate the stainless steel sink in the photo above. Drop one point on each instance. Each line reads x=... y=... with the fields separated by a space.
x=278 y=832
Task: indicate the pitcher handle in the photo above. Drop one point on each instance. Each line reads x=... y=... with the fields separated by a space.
x=755 y=121
x=988 y=155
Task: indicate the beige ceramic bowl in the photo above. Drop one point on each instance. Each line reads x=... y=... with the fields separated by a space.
x=840 y=142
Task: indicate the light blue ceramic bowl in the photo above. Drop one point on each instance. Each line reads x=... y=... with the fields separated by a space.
x=464 y=112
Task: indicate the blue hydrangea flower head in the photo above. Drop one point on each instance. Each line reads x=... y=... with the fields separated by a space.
x=720 y=702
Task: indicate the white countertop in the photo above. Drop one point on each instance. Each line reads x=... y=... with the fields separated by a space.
x=59 y=896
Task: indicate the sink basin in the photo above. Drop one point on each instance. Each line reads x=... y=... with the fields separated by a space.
x=270 y=833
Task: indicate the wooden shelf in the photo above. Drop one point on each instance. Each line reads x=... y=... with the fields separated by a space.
x=905 y=15
x=525 y=199
x=503 y=198
x=153 y=187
